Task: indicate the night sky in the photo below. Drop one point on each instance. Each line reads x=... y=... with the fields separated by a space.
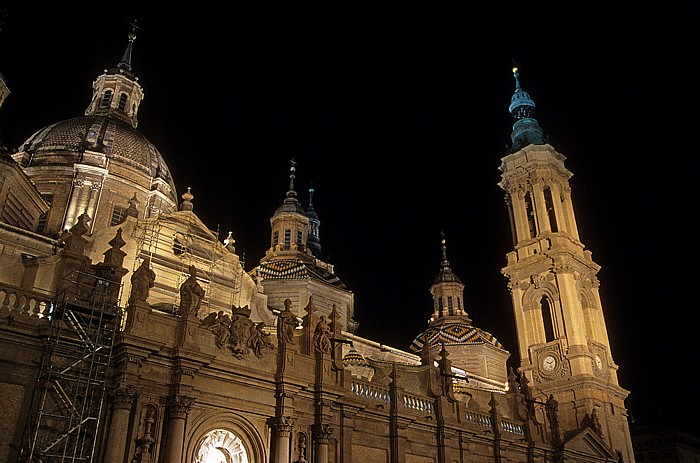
x=398 y=116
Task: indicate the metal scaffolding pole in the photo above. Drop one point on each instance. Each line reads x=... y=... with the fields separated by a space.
x=69 y=396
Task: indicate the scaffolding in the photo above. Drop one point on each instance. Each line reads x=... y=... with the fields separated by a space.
x=69 y=396
x=172 y=244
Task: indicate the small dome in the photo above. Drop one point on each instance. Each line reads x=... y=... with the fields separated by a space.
x=354 y=358
x=453 y=333
x=64 y=144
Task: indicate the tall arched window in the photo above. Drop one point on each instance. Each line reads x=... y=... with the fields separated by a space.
x=106 y=99
x=531 y=221
x=122 y=101
x=549 y=204
x=548 y=318
x=511 y=217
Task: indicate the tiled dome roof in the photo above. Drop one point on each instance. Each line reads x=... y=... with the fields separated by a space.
x=453 y=333
x=353 y=358
x=63 y=144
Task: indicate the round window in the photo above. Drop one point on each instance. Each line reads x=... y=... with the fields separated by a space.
x=221 y=446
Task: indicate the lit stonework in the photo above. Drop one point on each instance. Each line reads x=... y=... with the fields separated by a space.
x=109 y=275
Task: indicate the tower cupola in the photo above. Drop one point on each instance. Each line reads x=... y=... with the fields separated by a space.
x=117 y=93
x=526 y=129
x=447 y=290
x=290 y=226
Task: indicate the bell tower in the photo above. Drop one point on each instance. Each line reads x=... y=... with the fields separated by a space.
x=562 y=338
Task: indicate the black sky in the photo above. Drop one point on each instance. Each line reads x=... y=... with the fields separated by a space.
x=399 y=117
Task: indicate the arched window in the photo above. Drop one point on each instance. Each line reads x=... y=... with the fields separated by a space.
x=547 y=318
x=122 y=101
x=531 y=220
x=106 y=99
x=221 y=446
x=549 y=204
x=287 y=239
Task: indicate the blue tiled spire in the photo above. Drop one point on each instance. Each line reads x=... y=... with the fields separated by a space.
x=526 y=129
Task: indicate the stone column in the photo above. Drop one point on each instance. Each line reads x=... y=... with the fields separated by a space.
x=322 y=437
x=122 y=403
x=179 y=406
x=283 y=431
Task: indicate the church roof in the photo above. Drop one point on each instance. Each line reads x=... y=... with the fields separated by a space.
x=354 y=358
x=455 y=332
x=63 y=144
x=292 y=269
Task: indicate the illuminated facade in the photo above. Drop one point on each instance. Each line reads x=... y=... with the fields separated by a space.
x=129 y=332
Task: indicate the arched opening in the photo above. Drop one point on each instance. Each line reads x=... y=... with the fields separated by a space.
x=221 y=446
x=531 y=219
x=547 y=318
x=549 y=205
x=106 y=99
x=123 y=98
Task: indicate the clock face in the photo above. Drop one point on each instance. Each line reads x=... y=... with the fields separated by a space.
x=598 y=362
x=549 y=363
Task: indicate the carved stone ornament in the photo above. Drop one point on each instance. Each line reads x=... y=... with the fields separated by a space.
x=123 y=396
x=322 y=336
x=551 y=365
x=283 y=425
x=322 y=432
x=179 y=405
x=239 y=333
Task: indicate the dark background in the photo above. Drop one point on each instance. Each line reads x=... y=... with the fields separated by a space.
x=399 y=117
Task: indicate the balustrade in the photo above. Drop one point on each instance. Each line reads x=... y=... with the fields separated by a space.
x=21 y=302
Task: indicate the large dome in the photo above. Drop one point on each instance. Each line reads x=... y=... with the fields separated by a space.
x=64 y=144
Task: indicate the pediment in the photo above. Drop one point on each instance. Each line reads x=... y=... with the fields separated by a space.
x=587 y=442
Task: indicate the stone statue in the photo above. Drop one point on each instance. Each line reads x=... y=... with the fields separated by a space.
x=286 y=323
x=593 y=422
x=191 y=294
x=259 y=340
x=552 y=409
x=322 y=336
x=218 y=323
x=142 y=280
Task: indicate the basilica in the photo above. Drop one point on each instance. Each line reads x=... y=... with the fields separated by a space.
x=129 y=332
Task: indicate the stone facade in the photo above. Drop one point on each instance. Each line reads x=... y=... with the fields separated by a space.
x=139 y=336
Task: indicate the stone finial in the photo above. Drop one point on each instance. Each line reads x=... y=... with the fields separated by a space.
x=132 y=210
x=114 y=256
x=229 y=243
x=186 y=204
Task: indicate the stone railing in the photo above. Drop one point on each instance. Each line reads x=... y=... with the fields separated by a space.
x=369 y=390
x=484 y=420
x=478 y=419
x=513 y=427
x=21 y=302
x=417 y=403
